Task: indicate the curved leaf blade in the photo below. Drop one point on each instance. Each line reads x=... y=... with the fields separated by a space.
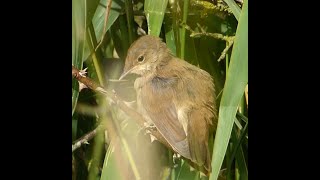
x=78 y=38
x=237 y=78
x=234 y=8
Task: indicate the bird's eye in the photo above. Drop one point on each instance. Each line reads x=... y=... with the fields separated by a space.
x=140 y=58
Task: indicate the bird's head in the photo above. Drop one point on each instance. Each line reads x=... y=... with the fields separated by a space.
x=145 y=55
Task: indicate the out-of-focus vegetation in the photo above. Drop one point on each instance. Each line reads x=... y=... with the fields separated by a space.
x=210 y=34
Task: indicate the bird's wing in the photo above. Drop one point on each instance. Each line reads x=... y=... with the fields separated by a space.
x=157 y=100
x=198 y=138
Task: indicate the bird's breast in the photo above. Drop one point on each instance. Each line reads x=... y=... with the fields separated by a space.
x=139 y=85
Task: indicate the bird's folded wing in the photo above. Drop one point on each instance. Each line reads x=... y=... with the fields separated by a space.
x=157 y=100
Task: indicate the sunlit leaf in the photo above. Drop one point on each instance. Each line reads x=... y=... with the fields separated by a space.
x=98 y=19
x=237 y=78
x=110 y=168
x=234 y=8
x=154 y=11
x=78 y=39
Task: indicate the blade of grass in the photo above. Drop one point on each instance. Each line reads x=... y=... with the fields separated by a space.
x=154 y=11
x=241 y=164
x=97 y=155
x=184 y=172
x=182 y=29
x=110 y=169
x=234 y=8
x=242 y=117
x=78 y=38
x=242 y=106
x=237 y=149
x=228 y=161
x=238 y=154
x=237 y=78
x=123 y=150
x=74 y=126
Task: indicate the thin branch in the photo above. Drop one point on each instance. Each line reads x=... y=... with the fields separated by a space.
x=84 y=139
x=224 y=52
x=214 y=35
x=107 y=15
x=111 y=96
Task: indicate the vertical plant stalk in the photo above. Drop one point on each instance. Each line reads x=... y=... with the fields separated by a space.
x=228 y=162
x=129 y=15
x=183 y=30
x=227 y=63
x=92 y=43
x=96 y=156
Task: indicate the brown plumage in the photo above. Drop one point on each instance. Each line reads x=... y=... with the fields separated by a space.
x=175 y=96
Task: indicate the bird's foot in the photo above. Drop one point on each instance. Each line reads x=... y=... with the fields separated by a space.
x=149 y=126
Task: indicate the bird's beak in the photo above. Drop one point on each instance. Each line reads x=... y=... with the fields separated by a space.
x=125 y=73
x=134 y=70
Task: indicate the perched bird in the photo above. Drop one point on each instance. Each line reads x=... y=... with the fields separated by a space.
x=176 y=97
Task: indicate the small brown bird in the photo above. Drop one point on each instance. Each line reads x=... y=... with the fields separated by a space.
x=175 y=96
